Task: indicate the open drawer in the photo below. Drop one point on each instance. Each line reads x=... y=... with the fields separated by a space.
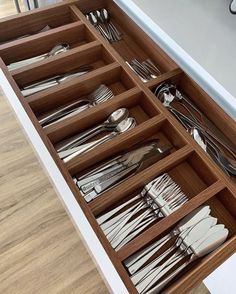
x=170 y=150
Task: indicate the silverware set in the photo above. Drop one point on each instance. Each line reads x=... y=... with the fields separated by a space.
x=44 y=29
x=99 y=95
x=211 y=139
x=109 y=174
x=58 y=49
x=100 y=19
x=195 y=236
x=54 y=81
x=117 y=123
x=158 y=199
x=146 y=70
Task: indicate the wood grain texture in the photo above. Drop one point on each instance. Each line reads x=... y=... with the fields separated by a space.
x=40 y=250
x=200 y=185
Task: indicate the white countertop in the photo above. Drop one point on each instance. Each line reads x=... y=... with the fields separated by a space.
x=199 y=36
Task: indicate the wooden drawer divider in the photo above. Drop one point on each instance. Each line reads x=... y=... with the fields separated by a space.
x=211 y=183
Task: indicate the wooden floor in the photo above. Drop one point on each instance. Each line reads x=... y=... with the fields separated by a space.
x=40 y=251
x=7 y=7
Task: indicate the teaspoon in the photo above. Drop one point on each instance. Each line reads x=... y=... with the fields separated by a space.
x=122 y=127
x=60 y=48
x=112 y=121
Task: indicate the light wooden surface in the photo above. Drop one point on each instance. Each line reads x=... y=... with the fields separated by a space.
x=40 y=251
x=7 y=7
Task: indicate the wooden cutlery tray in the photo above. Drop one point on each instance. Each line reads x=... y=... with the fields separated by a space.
x=200 y=179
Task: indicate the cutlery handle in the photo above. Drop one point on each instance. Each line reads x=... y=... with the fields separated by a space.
x=136 y=72
x=212 y=141
x=19 y=64
x=166 y=280
x=98 y=179
x=79 y=139
x=102 y=187
x=84 y=148
x=101 y=167
x=113 y=234
x=110 y=213
x=140 y=275
x=117 y=179
x=155 y=274
x=97 y=175
x=109 y=226
x=126 y=230
x=62 y=111
x=38 y=88
x=70 y=114
x=138 y=260
x=114 y=28
x=135 y=233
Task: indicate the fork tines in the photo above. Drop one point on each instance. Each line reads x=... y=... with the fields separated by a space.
x=164 y=194
x=158 y=199
x=101 y=94
x=146 y=70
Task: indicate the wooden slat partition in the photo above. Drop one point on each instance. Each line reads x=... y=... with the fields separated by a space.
x=86 y=54
x=34 y=21
x=74 y=34
x=168 y=222
x=92 y=116
x=198 y=176
x=83 y=83
x=131 y=185
x=128 y=140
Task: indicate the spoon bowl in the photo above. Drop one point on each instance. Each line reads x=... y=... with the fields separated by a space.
x=116 y=117
x=125 y=125
x=60 y=48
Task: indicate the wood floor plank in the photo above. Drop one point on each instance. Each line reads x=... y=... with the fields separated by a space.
x=40 y=250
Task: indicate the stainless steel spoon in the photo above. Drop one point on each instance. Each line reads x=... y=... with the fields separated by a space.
x=93 y=20
x=122 y=127
x=167 y=93
x=112 y=121
x=106 y=17
x=60 y=48
x=204 y=141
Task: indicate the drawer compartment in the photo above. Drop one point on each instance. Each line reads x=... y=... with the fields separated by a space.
x=221 y=212
x=137 y=105
x=113 y=77
x=192 y=112
x=185 y=174
x=191 y=170
x=134 y=42
x=91 y=57
x=32 y=23
x=73 y=35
